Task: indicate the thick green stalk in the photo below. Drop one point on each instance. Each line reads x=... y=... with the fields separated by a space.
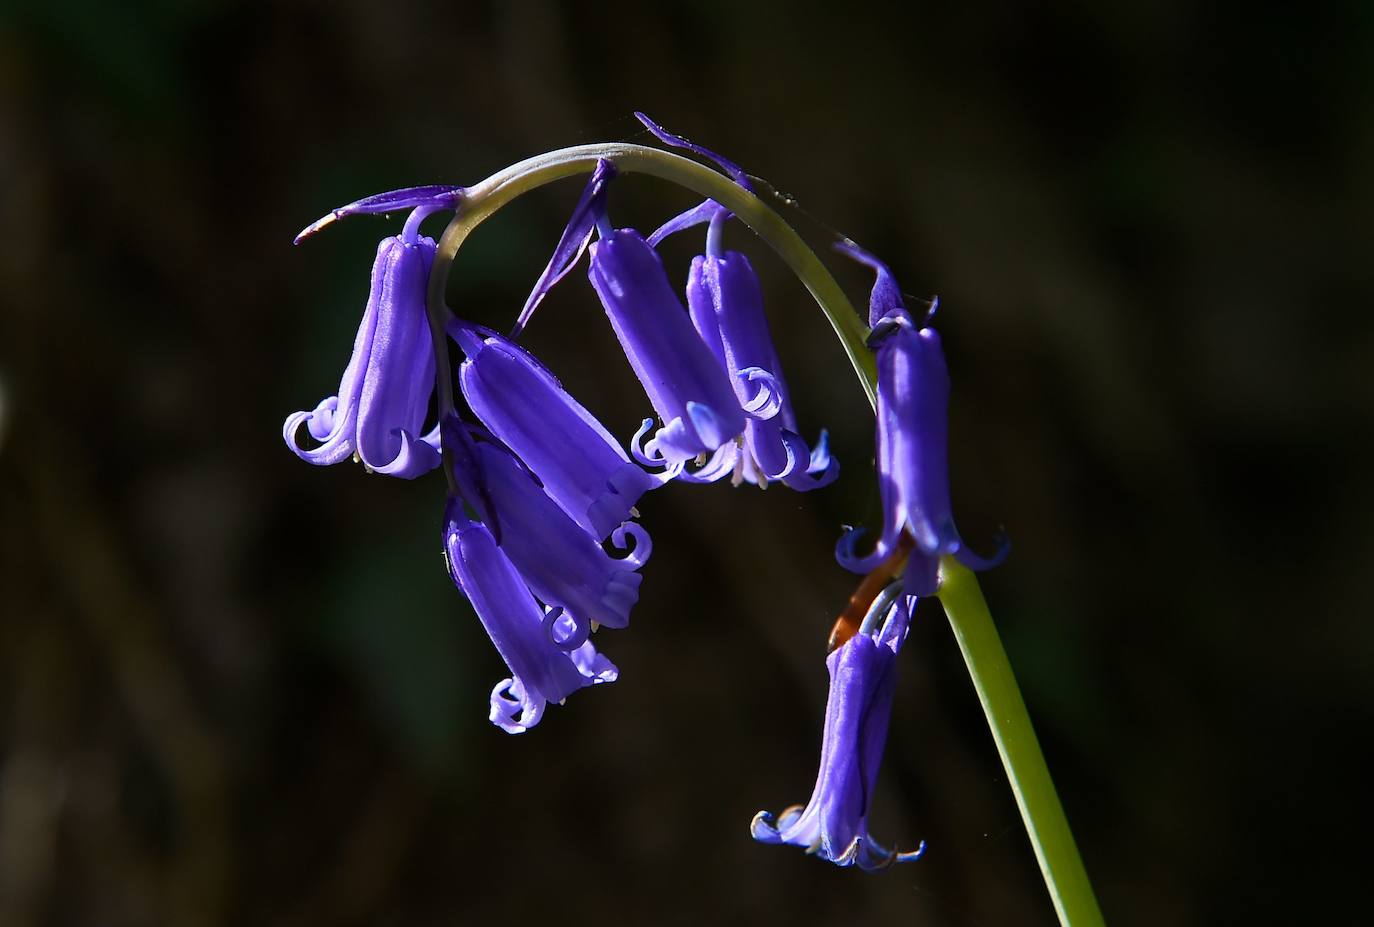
x=1030 y=780
x=498 y=190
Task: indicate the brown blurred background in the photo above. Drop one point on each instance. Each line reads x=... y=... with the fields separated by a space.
x=236 y=689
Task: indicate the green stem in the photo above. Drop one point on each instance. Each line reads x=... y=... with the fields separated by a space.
x=484 y=199
x=990 y=670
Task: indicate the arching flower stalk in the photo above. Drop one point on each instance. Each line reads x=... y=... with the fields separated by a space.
x=548 y=485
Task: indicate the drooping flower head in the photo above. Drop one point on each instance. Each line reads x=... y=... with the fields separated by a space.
x=540 y=671
x=581 y=466
x=379 y=411
x=863 y=676
x=912 y=442
x=563 y=565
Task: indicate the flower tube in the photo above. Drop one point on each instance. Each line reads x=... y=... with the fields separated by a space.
x=685 y=384
x=581 y=466
x=912 y=443
x=834 y=823
x=383 y=397
x=562 y=565
x=726 y=306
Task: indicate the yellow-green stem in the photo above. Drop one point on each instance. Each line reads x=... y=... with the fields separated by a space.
x=1010 y=724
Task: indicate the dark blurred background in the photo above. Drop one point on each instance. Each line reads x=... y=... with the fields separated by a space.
x=236 y=689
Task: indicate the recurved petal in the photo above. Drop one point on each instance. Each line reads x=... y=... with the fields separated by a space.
x=335 y=432
x=821 y=469
x=975 y=562
x=414 y=457
x=513 y=709
x=721 y=463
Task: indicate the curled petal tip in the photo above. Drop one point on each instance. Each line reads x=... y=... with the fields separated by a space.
x=977 y=563
x=761 y=828
x=820 y=468
x=853 y=562
x=646 y=452
x=563 y=632
x=769 y=399
x=642 y=545
x=910 y=856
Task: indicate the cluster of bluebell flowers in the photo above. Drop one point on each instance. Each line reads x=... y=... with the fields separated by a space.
x=539 y=489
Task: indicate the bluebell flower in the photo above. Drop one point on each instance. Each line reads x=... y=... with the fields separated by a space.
x=383 y=398
x=725 y=302
x=686 y=387
x=540 y=672
x=563 y=565
x=581 y=466
x=863 y=676
x=912 y=443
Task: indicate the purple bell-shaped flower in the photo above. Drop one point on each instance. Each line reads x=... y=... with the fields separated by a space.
x=687 y=388
x=686 y=385
x=912 y=443
x=863 y=675
x=581 y=466
x=383 y=397
x=725 y=302
x=540 y=671
x=563 y=565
